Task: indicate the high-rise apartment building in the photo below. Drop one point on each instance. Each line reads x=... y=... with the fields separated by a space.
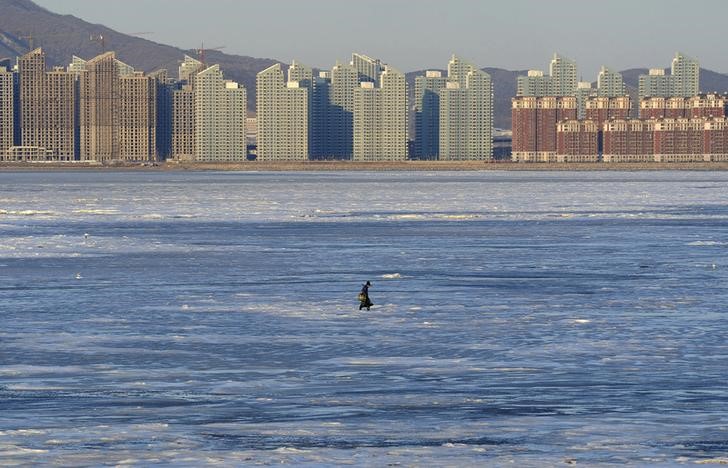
x=454 y=114
x=76 y=66
x=7 y=109
x=319 y=110
x=137 y=117
x=219 y=122
x=183 y=112
x=188 y=69
x=59 y=132
x=534 y=125
x=380 y=118
x=561 y=80
x=686 y=76
x=524 y=113
x=563 y=76
x=331 y=103
x=369 y=69
x=684 y=80
x=117 y=111
x=47 y=107
x=610 y=83
x=331 y=108
x=466 y=113
x=301 y=74
x=282 y=117
x=183 y=124
x=533 y=84
x=99 y=109
x=655 y=84
x=165 y=92
x=31 y=74
x=427 y=114
x=340 y=116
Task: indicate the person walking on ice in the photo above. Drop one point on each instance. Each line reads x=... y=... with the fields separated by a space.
x=364 y=300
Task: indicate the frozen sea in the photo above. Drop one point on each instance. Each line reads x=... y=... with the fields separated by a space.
x=520 y=318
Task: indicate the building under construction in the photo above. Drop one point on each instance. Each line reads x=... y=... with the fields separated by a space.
x=47 y=109
x=117 y=112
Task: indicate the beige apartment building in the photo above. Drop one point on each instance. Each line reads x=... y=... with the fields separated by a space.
x=561 y=80
x=31 y=80
x=219 y=118
x=369 y=69
x=466 y=113
x=137 y=117
x=683 y=80
x=380 y=118
x=282 y=113
x=183 y=111
x=59 y=128
x=610 y=83
x=454 y=114
x=188 y=70
x=331 y=109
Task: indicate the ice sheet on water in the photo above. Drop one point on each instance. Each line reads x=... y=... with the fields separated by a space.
x=520 y=318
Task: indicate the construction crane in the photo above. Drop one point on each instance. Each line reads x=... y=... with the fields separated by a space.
x=201 y=51
x=100 y=39
x=28 y=38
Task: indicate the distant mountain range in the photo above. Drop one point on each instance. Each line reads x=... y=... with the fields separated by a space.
x=62 y=36
x=24 y=25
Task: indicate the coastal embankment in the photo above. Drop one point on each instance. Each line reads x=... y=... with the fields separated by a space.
x=294 y=166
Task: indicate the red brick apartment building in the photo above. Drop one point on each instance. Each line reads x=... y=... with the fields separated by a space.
x=600 y=109
x=702 y=105
x=534 y=125
x=676 y=129
x=628 y=140
x=577 y=141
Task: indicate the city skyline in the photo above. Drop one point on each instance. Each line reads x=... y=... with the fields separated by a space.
x=103 y=110
x=515 y=36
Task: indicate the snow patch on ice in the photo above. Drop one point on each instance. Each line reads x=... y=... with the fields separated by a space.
x=702 y=243
x=392 y=276
x=96 y=212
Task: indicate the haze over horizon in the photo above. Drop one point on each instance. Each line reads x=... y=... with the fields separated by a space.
x=515 y=35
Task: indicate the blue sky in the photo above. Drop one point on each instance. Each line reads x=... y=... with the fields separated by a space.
x=418 y=34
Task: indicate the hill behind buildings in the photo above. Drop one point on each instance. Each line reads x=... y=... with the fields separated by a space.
x=25 y=25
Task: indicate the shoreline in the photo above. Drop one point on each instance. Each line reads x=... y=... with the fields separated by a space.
x=350 y=166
